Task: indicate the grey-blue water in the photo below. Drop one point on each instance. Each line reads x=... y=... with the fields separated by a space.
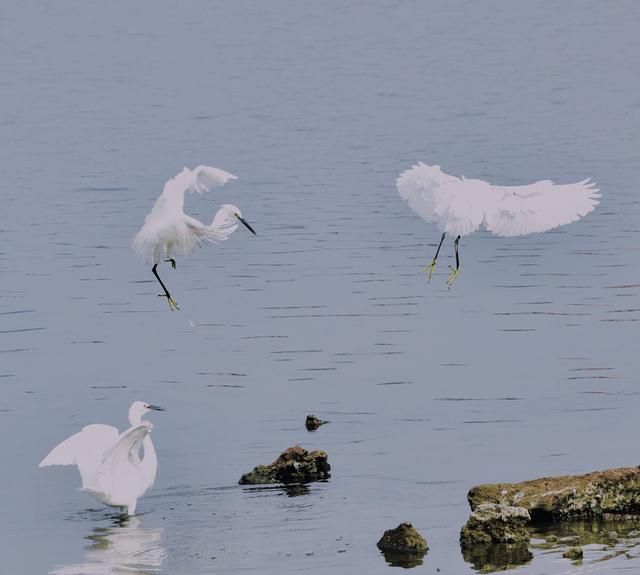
x=527 y=367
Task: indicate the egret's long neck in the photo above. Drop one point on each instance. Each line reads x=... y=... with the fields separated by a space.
x=223 y=224
x=135 y=419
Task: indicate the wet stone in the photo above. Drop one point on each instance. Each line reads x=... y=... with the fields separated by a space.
x=590 y=496
x=573 y=553
x=495 y=523
x=312 y=422
x=294 y=465
x=403 y=546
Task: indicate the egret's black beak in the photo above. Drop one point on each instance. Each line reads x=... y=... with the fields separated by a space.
x=246 y=224
x=156 y=408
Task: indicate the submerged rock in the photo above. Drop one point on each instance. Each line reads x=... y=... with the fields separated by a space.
x=573 y=553
x=612 y=491
x=312 y=422
x=403 y=546
x=294 y=465
x=495 y=523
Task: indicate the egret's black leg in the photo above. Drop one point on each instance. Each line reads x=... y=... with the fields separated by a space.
x=173 y=262
x=454 y=271
x=172 y=303
x=429 y=269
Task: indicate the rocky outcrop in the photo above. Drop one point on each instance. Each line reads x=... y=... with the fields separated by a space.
x=495 y=537
x=613 y=491
x=403 y=546
x=294 y=465
x=495 y=523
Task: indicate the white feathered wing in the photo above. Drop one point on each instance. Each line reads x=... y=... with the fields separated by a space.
x=167 y=230
x=460 y=206
x=120 y=477
x=84 y=449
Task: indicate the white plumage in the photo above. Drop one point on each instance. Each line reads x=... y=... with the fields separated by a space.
x=109 y=462
x=168 y=232
x=460 y=206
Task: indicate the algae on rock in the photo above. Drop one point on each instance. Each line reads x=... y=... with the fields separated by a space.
x=403 y=546
x=294 y=465
x=615 y=491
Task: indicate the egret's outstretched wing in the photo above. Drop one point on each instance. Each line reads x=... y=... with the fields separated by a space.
x=85 y=449
x=538 y=207
x=121 y=456
x=460 y=206
x=454 y=204
x=200 y=180
x=127 y=445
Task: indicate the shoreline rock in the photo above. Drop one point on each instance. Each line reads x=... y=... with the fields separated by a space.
x=551 y=499
x=495 y=523
x=294 y=465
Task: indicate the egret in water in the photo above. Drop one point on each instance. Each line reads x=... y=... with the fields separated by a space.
x=168 y=232
x=109 y=462
x=460 y=206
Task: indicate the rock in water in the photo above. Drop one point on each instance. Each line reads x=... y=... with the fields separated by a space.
x=495 y=537
x=403 y=546
x=612 y=491
x=495 y=523
x=312 y=422
x=294 y=465
x=573 y=553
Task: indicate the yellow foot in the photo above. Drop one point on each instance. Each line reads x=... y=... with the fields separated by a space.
x=455 y=272
x=429 y=269
x=172 y=303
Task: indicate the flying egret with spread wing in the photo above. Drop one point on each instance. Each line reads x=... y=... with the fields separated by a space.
x=169 y=232
x=109 y=462
x=460 y=206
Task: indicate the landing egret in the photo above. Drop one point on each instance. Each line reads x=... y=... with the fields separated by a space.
x=109 y=462
x=460 y=206
x=168 y=231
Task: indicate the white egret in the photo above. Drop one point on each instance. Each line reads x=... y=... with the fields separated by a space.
x=460 y=206
x=168 y=231
x=109 y=462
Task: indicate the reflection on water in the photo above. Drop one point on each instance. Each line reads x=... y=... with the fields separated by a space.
x=488 y=558
x=601 y=541
x=406 y=560
x=124 y=548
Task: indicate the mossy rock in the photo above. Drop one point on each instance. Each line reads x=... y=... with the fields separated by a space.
x=612 y=491
x=403 y=546
x=495 y=523
x=294 y=465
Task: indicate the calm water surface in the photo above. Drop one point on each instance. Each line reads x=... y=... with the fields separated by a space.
x=528 y=367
